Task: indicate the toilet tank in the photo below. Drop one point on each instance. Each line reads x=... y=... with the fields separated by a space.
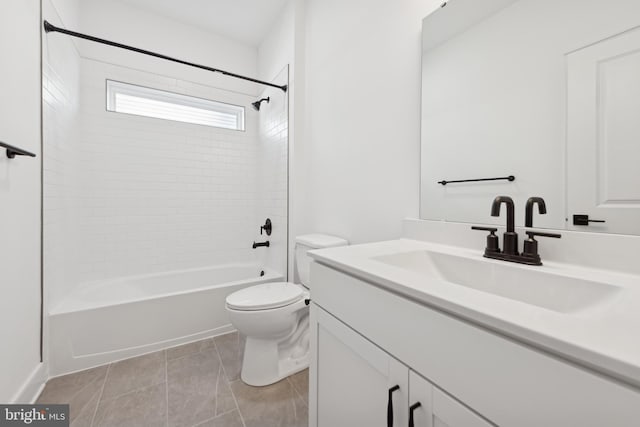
x=310 y=242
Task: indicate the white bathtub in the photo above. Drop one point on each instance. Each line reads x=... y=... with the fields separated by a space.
x=105 y=321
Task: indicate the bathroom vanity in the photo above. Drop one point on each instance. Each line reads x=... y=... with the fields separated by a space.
x=476 y=342
x=527 y=100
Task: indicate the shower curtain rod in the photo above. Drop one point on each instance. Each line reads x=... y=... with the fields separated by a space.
x=48 y=28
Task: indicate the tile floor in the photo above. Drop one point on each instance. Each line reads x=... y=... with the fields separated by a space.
x=197 y=384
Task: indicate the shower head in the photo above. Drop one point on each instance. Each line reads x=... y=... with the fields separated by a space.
x=256 y=105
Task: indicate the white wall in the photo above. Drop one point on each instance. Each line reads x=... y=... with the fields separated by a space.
x=277 y=48
x=362 y=116
x=61 y=104
x=120 y=22
x=20 y=368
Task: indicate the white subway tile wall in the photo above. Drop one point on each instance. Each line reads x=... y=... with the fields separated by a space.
x=140 y=195
x=159 y=195
x=272 y=171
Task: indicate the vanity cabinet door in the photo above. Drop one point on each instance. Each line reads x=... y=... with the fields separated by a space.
x=420 y=392
x=448 y=412
x=354 y=379
x=436 y=408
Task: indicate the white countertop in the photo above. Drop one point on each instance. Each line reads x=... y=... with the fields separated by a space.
x=604 y=338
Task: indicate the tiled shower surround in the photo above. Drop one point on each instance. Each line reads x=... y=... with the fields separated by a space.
x=272 y=194
x=159 y=195
x=128 y=195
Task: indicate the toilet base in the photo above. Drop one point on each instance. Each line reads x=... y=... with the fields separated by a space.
x=262 y=363
x=269 y=361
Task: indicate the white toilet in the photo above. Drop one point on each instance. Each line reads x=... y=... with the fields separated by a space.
x=274 y=317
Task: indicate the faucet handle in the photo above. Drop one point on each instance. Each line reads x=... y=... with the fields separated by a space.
x=493 y=243
x=531 y=245
x=490 y=229
x=266 y=227
x=533 y=234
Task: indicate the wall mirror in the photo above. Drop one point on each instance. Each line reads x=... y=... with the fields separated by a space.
x=547 y=91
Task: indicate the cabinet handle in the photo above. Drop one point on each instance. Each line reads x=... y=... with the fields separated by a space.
x=390 y=405
x=412 y=408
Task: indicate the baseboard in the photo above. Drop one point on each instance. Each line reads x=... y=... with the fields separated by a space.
x=33 y=386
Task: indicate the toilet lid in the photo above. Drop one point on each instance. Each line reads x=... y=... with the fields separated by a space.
x=265 y=296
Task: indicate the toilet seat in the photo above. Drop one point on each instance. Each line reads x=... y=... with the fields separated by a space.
x=265 y=296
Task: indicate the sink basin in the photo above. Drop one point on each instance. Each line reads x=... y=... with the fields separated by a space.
x=563 y=294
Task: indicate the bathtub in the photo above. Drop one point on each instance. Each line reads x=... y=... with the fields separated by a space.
x=101 y=322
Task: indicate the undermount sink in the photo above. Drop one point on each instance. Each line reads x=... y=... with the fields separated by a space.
x=541 y=288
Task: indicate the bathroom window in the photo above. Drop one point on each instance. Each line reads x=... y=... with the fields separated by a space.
x=143 y=101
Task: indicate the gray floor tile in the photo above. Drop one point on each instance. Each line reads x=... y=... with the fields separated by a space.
x=191 y=400
x=135 y=373
x=301 y=414
x=192 y=388
x=225 y=401
x=184 y=386
x=80 y=390
x=230 y=419
x=66 y=387
x=141 y=408
x=276 y=405
x=197 y=364
x=191 y=348
x=300 y=382
x=84 y=417
x=230 y=347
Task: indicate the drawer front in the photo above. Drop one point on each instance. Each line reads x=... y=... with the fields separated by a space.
x=510 y=383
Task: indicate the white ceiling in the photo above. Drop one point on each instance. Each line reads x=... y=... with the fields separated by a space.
x=247 y=21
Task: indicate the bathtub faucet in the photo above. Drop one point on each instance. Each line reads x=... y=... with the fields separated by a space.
x=257 y=245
